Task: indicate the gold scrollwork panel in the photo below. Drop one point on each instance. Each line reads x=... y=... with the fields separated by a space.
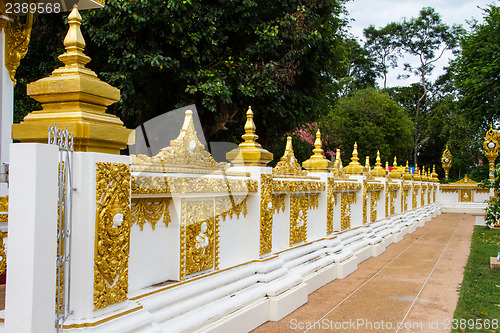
x=466 y=195
x=374 y=198
x=393 y=194
x=331 y=202
x=279 y=203
x=298 y=219
x=199 y=237
x=346 y=200
x=112 y=239
x=266 y=213
x=3 y=255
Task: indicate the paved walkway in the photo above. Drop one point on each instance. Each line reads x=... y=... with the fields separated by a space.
x=411 y=287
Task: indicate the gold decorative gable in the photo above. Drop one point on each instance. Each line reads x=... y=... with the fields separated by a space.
x=288 y=165
x=186 y=151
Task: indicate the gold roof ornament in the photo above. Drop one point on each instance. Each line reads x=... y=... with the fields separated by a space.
x=446 y=161
x=406 y=174
x=337 y=170
x=317 y=162
x=249 y=152
x=288 y=165
x=73 y=96
x=354 y=167
x=186 y=151
x=378 y=170
x=395 y=170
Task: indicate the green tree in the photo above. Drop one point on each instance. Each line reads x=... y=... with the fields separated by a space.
x=384 y=46
x=373 y=120
x=222 y=55
x=477 y=71
x=427 y=38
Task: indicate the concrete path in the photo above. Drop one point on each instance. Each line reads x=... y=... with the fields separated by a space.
x=411 y=287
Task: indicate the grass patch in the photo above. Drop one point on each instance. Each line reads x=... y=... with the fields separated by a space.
x=478 y=307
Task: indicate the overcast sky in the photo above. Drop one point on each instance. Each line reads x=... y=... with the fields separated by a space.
x=381 y=12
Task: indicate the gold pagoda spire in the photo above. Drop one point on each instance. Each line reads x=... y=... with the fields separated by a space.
x=378 y=170
x=249 y=152
x=395 y=169
x=407 y=174
x=317 y=162
x=337 y=170
x=416 y=175
x=434 y=174
x=73 y=96
x=354 y=167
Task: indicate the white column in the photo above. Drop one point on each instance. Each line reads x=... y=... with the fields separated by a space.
x=31 y=276
x=6 y=110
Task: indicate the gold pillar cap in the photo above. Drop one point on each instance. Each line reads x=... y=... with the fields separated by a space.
x=249 y=152
x=407 y=174
x=74 y=96
x=417 y=176
x=395 y=170
x=354 y=167
x=434 y=174
x=317 y=162
x=378 y=170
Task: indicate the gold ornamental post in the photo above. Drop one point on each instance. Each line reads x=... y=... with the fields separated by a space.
x=446 y=161
x=490 y=146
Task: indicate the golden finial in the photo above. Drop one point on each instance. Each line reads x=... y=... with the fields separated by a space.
x=337 y=170
x=249 y=152
x=378 y=171
x=317 y=162
x=354 y=167
x=434 y=174
x=416 y=175
x=250 y=136
x=395 y=170
x=406 y=172
x=423 y=175
x=74 y=42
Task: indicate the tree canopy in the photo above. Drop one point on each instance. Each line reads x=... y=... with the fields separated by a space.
x=476 y=71
x=373 y=120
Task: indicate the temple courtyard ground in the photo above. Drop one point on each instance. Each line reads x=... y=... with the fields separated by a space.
x=411 y=287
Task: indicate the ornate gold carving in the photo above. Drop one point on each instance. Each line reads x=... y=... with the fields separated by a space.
x=279 y=202
x=298 y=219
x=288 y=164
x=466 y=195
x=17 y=40
x=4 y=217
x=317 y=162
x=150 y=209
x=446 y=161
x=331 y=202
x=3 y=255
x=479 y=190
x=422 y=194
x=266 y=213
x=365 y=200
x=231 y=206
x=346 y=186
x=393 y=194
x=346 y=200
x=374 y=198
x=490 y=146
x=414 y=196
x=186 y=151
x=181 y=185
x=4 y=204
x=297 y=186
x=112 y=234
x=200 y=239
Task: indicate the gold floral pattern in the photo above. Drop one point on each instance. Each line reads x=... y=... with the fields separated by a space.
x=112 y=238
